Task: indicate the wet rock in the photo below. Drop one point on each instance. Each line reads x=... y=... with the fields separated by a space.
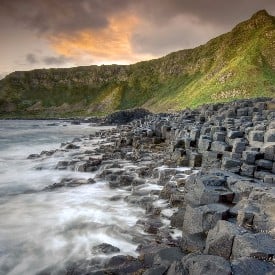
x=71 y=146
x=164 y=174
x=152 y=226
x=88 y=166
x=105 y=248
x=122 y=265
x=65 y=165
x=48 y=153
x=168 y=189
x=68 y=182
x=167 y=256
x=33 y=156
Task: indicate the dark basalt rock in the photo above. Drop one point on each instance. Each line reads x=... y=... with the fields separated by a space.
x=199 y=264
x=126 y=116
x=67 y=182
x=249 y=266
x=33 y=156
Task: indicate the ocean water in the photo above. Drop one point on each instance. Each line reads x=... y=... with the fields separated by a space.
x=41 y=229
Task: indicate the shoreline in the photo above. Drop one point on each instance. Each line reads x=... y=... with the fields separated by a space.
x=222 y=205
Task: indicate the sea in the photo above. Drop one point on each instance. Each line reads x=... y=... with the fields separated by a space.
x=45 y=230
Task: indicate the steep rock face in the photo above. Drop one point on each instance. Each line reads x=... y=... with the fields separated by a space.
x=238 y=64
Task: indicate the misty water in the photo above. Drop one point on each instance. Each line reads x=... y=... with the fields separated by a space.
x=41 y=229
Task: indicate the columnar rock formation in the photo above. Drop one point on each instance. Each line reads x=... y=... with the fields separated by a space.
x=211 y=209
x=226 y=210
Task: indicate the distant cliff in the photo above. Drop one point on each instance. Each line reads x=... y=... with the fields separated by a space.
x=238 y=64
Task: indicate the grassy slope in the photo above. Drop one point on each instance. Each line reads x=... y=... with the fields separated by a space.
x=238 y=64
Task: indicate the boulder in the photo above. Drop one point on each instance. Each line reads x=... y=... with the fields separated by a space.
x=177 y=218
x=220 y=239
x=249 y=266
x=71 y=146
x=205 y=189
x=238 y=146
x=250 y=156
x=199 y=264
x=269 y=135
x=256 y=138
x=69 y=182
x=219 y=146
x=121 y=264
x=158 y=270
x=230 y=164
x=260 y=245
x=204 y=143
x=219 y=136
x=211 y=159
x=264 y=164
x=166 y=256
x=248 y=170
x=269 y=152
x=234 y=134
x=177 y=268
x=203 y=218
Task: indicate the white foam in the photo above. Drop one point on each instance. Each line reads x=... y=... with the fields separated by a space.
x=42 y=229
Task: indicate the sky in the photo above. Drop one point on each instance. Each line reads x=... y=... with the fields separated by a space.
x=66 y=33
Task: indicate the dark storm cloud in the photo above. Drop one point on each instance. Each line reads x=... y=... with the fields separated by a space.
x=96 y=28
x=61 y=15
x=178 y=24
x=71 y=15
x=31 y=59
x=218 y=11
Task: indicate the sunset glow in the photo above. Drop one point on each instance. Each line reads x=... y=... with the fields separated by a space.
x=109 y=44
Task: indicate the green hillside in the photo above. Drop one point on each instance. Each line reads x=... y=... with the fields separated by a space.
x=238 y=64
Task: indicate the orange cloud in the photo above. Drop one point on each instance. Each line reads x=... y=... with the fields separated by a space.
x=111 y=44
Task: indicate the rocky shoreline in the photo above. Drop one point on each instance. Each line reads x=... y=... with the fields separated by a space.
x=206 y=180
